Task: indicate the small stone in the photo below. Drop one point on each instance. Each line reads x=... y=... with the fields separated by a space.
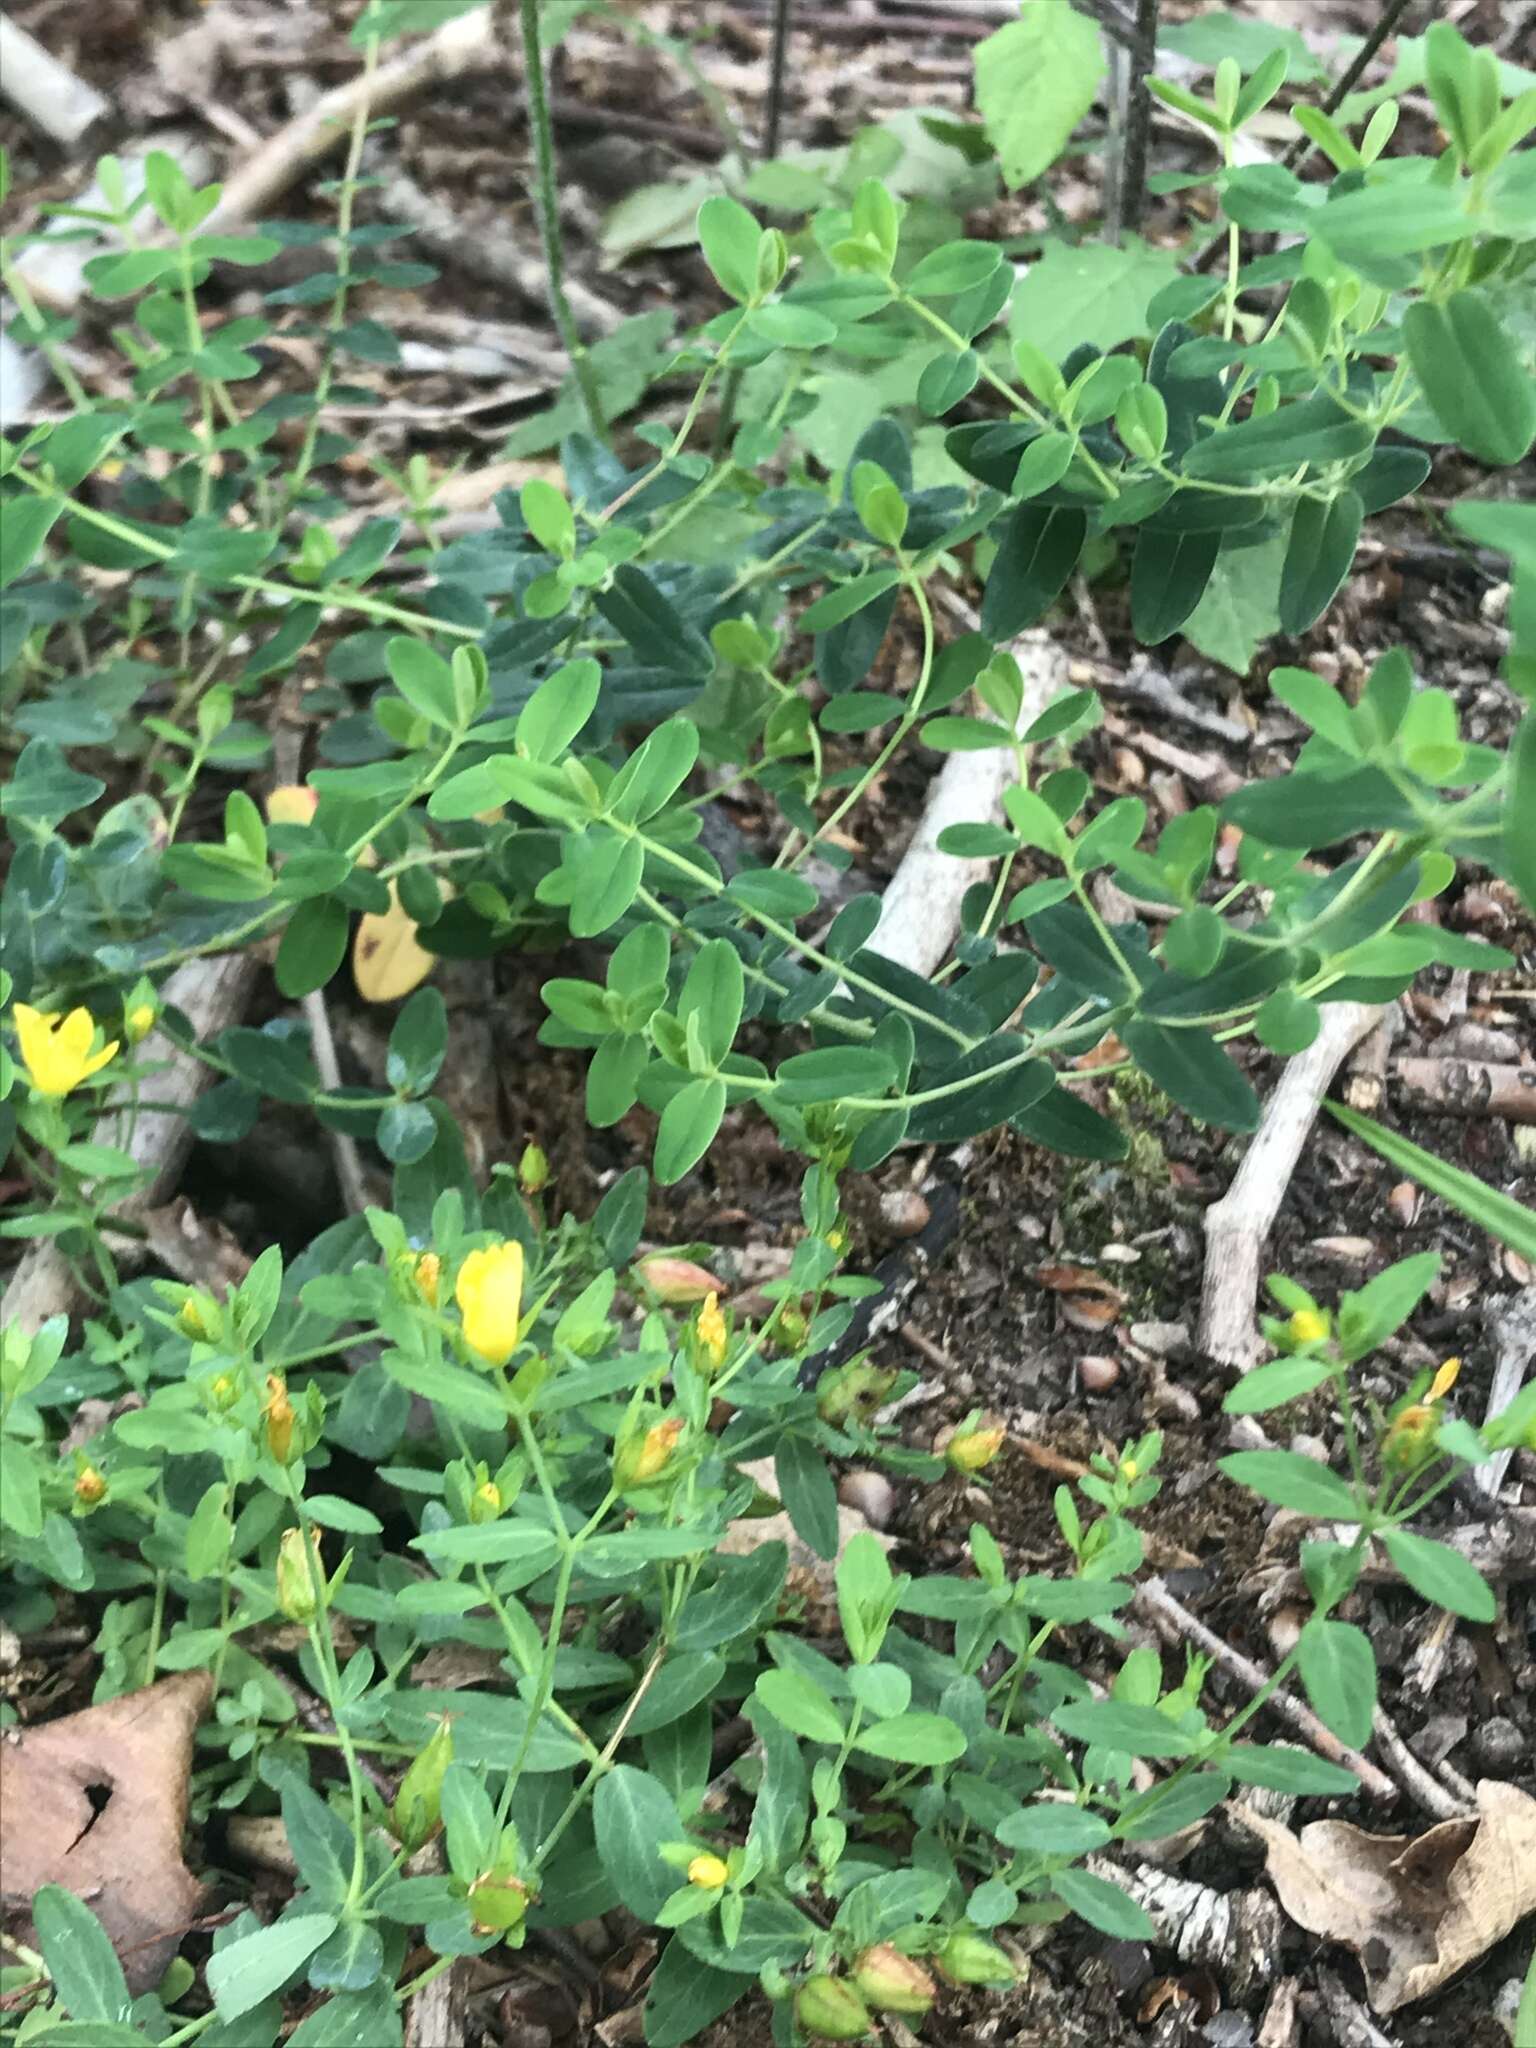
x=1248 y=1434
x=1097 y=1374
x=1311 y=1447
x=903 y=1211
x=1164 y=1340
x=871 y=1493
x=1497 y=1743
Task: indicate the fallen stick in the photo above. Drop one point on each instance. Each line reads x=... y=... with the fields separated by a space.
x=211 y=994
x=921 y=911
x=1512 y=1326
x=1467 y=1088
x=1157 y=1605
x=1236 y=1935
x=466 y=44
x=1237 y=1225
x=1419 y=1782
x=46 y=91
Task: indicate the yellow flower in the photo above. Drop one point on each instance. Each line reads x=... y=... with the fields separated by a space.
x=1129 y=1469
x=1307 y=1326
x=1445 y=1379
x=708 y=1872
x=489 y=1291
x=139 y=1022
x=56 y=1051
x=972 y=1446
x=711 y=1333
x=485 y=1502
x=426 y=1272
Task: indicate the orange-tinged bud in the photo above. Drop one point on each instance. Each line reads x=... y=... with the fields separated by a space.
x=1410 y=1440
x=426 y=1273
x=90 y=1486
x=893 y=1982
x=708 y=1872
x=644 y=1456
x=277 y=1413
x=677 y=1281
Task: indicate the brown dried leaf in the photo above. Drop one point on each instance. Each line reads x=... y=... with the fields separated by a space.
x=97 y=1802
x=1414 y=1909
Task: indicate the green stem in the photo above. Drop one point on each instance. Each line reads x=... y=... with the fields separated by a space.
x=547 y=201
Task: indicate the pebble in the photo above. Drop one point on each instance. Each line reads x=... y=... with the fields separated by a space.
x=1311 y=1447
x=871 y=1493
x=1098 y=1374
x=1497 y=1743
x=1164 y=1339
x=903 y=1211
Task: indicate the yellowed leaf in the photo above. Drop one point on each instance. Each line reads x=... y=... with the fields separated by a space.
x=388 y=960
x=1415 y=1909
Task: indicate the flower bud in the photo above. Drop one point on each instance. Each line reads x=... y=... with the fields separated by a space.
x=533 y=1169
x=292 y=803
x=418 y=1803
x=973 y=1445
x=853 y=1391
x=1307 y=1326
x=277 y=1413
x=1410 y=1438
x=643 y=1457
x=138 y=1022
x=676 y=1281
x=90 y=1487
x=295 y=1585
x=967 y=1959
x=710 y=1336
x=830 y=2009
x=892 y=1982
x=485 y=1503
x=198 y=1318
x=708 y=1872
x=497 y=1902
x=224 y=1392
x=425 y=1275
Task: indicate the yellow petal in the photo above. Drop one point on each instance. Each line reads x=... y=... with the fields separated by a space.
x=387 y=959
x=76 y=1032
x=98 y=1060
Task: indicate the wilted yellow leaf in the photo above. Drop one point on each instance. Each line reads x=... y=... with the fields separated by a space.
x=387 y=959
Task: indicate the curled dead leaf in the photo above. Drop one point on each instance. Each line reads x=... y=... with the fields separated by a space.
x=1415 y=1909
x=388 y=960
x=97 y=1802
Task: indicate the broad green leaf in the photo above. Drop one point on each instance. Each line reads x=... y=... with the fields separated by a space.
x=1239 y=608
x=800 y=1706
x=1338 y=1669
x=1113 y=1724
x=1293 y=1481
x=1190 y=1066
x=1036 y=552
x=913 y=1739
x=1271 y=1386
x=1089 y=293
x=685 y=1996
x=1282 y=1769
x=1103 y=1905
x=1035 y=79
x=81 y=1960
x=688 y=1126
x=632 y=1816
x=1318 y=557
x=1472 y=374
x=1441 y=1574
x=1048 y=1829
x=729 y=237
x=1169 y=574
x=252 y=1968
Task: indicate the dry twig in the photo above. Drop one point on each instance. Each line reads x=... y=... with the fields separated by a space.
x=1512 y=1326
x=46 y=91
x=1157 y=1605
x=1237 y=1225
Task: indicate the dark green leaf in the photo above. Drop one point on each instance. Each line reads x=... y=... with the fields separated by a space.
x=1318 y=557
x=1338 y=1669
x=1472 y=374
x=1441 y=1574
x=1169 y=572
x=633 y=1815
x=1190 y=1066
x=1293 y=1481
x=1037 y=551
